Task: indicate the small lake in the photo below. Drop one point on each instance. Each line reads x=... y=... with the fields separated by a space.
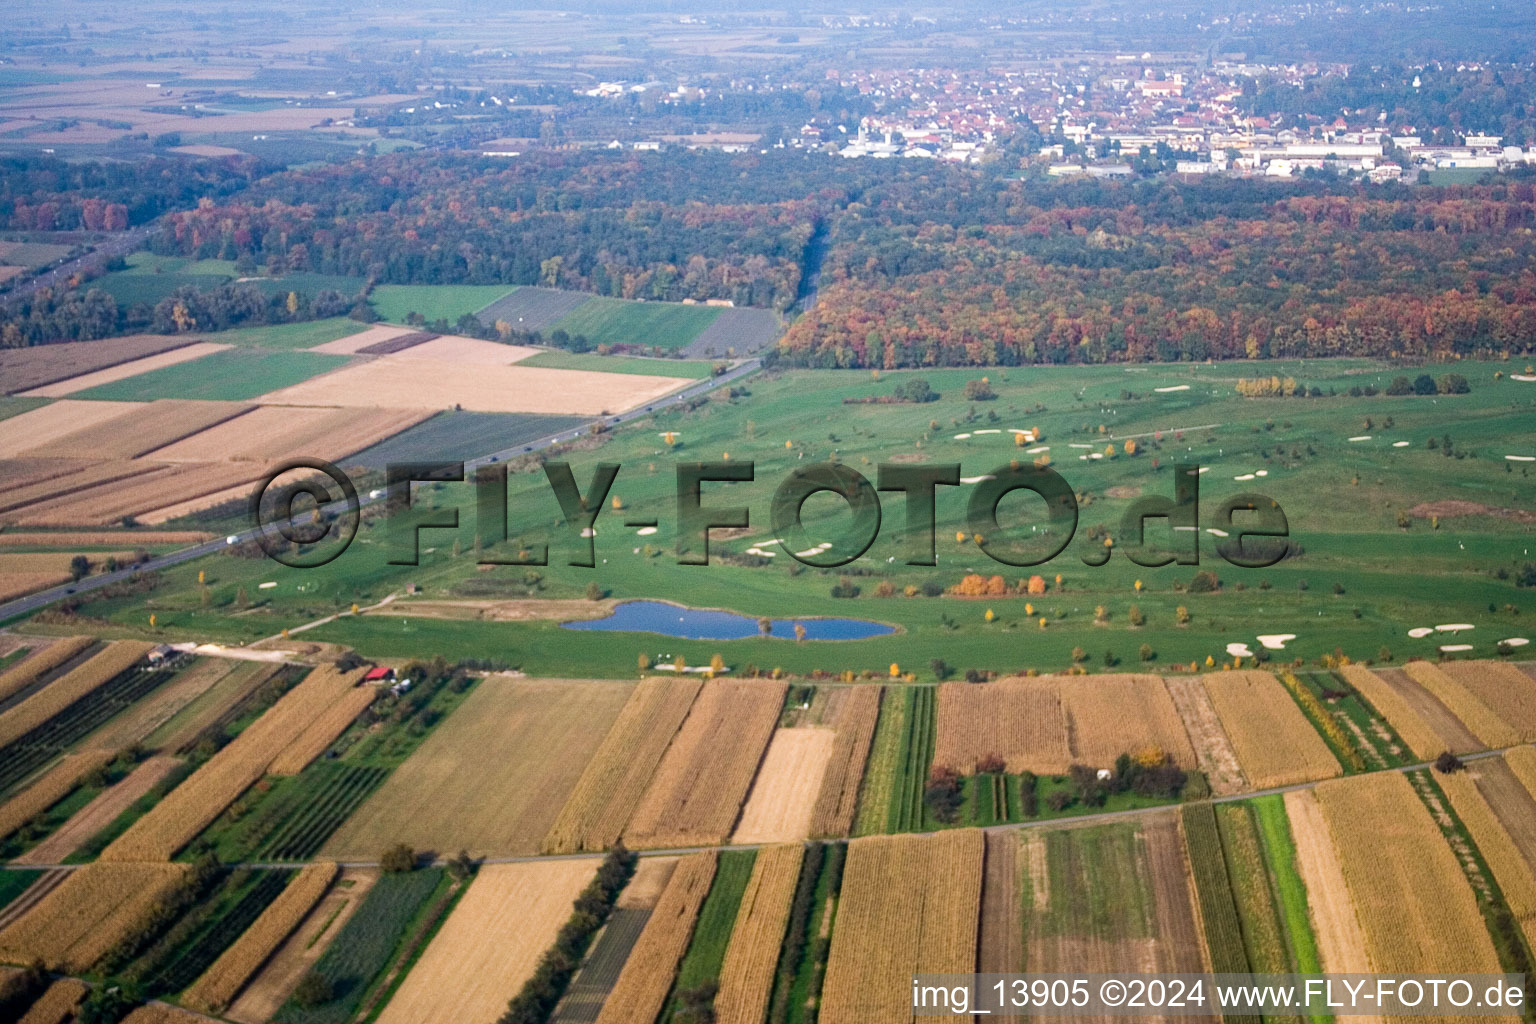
x=703 y=624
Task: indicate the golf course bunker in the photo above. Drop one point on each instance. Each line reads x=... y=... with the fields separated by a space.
x=685 y=623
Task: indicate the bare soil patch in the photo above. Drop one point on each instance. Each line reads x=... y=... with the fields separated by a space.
x=1340 y=939
x=1451 y=508
x=1457 y=737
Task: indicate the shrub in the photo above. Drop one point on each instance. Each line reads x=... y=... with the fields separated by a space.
x=397 y=860
x=312 y=990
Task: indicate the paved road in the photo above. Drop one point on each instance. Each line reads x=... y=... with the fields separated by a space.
x=115 y=245
x=33 y=602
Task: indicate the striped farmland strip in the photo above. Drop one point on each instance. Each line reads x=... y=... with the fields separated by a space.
x=746 y=977
x=20 y=676
x=646 y=980
x=838 y=800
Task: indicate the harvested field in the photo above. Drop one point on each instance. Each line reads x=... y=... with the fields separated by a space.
x=1502 y=688
x=140 y=429
x=397 y=343
x=192 y=806
x=491 y=943
x=643 y=985
x=102 y=538
x=1491 y=830
x=1453 y=735
x=908 y=904
x=1522 y=762
x=1000 y=942
x=235 y=966
x=50 y=563
x=25 y=368
x=1213 y=750
x=616 y=777
x=533 y=309
x=1274 y=742
x=450 y=348
x=152 y=487
x=401 y=382
x=152 y=711
x=164 y=1013
x=647 y=883
x=752 y=956
x=697 y=791
x=1340 y=939
x=1413 y=901
x=436 y=800
x=13 y=585
x=1048 y=723
x=50 y=422
x=322 y=731
x=26 y=472
x=854 y=722
x=99 y=813
x=179 y=733
x=1461 y=701
x=40 y=662
x=259 y=1001
x=57 y=1003
x=783 y=796
x=1415 y=729
x=1109 y=898
x=354 y=343
x=75 y=478
x=90 y=912
x=122 y=371
x=270 y=433
x=119 y=657
x=50 y=787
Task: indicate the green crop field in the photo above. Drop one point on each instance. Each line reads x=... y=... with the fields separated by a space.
x=669 y=325
x=712 y=932
x=233 y=375
x=394 y=302
x=1342 y=588
x=621 y=364
x=1285 y=878
x=303 y=335
x=14 y=405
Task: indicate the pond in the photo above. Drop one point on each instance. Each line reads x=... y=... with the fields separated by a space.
x=703 y=624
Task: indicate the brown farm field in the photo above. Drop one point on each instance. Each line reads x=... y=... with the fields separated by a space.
x=101 y=538
x=189 y=808
x=1503 y=689
x=1415 y=729
x=352 y=343
x=398 y=381
x=746 y=976
x=101 y=668
x=40 y=662
x=140 y=429
x=48 y=423
x=1464 y=703
x=1275 y=743
x=518 y=745
x=491 y=943
x=235 y=966
x=99 y=813
x=23 y=369
x=1453 y=733
x=1494 y=830
x=908 y=904
x=854 y=719
x=646 y=979
x=1046 y=724
x=1414 y=903
x=1340 y=939
x=58 y=1003
x=79 y=922
x=1213 y=750
x=259 y=1000
x=783 y=797
x=122 y=371
x=697 y=792
x=269 y=433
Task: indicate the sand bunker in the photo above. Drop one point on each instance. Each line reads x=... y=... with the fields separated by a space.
x=1276 y=641
x=1454 y=627
x=1420 y=632
x=1245 y=476
x=988 y=432
x=1215 y=532
x=962 y=437
x=1176 y=387
x=645 y=531
x=1239 y=651
x=1515 y=641
x=1401 y=444
x=976 y=479
x=1038 y=450
x=1522 y=376
x=1521 y=458
x=1361 y=437
x=1454 y=648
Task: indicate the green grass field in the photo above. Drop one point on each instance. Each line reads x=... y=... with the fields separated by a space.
x=1289 y=890
x=1343 y=589
x=303 y=335
x=606 y=321
x=394 y=302
x=14 y=405
x=233 y=375
x=621 y=364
